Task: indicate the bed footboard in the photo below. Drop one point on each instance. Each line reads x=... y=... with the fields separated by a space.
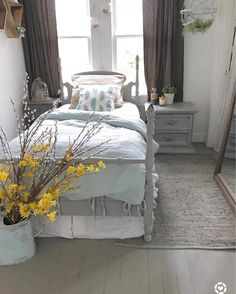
x=148 y=195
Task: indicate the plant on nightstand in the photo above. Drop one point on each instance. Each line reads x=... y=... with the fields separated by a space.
x=169 y=92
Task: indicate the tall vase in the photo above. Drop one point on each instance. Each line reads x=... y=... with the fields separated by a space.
x=16 y=242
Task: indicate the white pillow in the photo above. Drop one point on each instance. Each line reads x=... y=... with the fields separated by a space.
x=98 y=97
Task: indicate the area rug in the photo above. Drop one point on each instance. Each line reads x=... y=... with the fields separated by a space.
x=191 y=210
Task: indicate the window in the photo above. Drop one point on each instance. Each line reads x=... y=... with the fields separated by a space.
x=128 y=38
x=74 y=39
x=112 y=45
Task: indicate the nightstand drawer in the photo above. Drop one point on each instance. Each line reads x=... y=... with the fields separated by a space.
x=173 y=138
x=173 y=122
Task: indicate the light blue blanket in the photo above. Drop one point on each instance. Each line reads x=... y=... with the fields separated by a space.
x=127 y=140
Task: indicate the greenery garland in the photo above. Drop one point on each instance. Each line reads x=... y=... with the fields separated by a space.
x=199 y=26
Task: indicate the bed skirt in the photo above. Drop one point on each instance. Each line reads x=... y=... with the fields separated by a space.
x=89 y=227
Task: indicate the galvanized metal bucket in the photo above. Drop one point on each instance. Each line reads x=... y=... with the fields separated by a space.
x=16 y=242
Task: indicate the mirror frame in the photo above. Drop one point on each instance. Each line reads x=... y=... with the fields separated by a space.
x=221 y=182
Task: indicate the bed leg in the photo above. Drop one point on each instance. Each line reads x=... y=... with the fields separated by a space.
x=148 y=196
x=148 y=214
x=148 y=236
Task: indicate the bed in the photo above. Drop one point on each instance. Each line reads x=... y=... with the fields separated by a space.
x=119 y=202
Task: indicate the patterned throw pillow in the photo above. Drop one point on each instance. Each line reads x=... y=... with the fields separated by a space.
x=115 y=80
x=98 y=97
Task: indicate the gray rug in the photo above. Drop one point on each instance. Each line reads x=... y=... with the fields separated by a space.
x=191 y=211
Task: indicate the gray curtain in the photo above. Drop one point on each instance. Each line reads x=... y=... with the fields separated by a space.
x=41 y=43
x=163 y=45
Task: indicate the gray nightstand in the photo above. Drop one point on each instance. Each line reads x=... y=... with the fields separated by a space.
x=42 y=106
x=174 y=127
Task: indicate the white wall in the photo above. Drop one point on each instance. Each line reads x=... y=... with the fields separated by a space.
x=198 y=65
x=12 y=75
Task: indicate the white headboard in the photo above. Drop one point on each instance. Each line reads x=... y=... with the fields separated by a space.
x=127 y=88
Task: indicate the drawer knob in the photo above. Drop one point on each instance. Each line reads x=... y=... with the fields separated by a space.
x=167 y=138
x=171 y=122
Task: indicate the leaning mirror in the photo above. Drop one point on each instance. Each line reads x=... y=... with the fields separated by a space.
x=225 y=167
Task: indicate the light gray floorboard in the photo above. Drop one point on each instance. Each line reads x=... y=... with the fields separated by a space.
x=155 y=272
x=63 y=266
x=113 y=279
x=134 y=272
x=169 y=275
x=196 y=269
x=182 y=274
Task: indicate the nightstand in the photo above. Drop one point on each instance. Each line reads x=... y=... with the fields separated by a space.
x=174 y=127
x=42 y=106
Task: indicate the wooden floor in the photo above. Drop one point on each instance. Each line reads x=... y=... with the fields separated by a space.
x=89 y=267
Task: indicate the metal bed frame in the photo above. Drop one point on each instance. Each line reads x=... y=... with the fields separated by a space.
x=114 y=207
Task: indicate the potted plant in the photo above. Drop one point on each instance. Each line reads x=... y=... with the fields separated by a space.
x=31 y=183
x=199 y=25
x=169 y=92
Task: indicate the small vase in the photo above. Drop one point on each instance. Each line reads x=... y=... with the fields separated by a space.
x=162 y=101
x=154 y=98
x=169 y=98
x=16 y=242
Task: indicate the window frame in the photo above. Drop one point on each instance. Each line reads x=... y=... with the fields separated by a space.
x=102 y=41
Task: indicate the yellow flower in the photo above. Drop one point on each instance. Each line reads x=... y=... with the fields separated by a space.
x=25 y=196
x=71 y=170
x=101 y=164
x=2 y=194
x=8 y=168
x=33 y=163
x=68 y=157
x=20 y=188
x=24 y=210
x=30 y=175
x=15 y=188
x=22 y=163
x=52 y=216
x=90 y=168
x=80 y=170
x=41 y=147
x=54 y=192
x=12 y=187
x=45 y=203
x=28 y=157
x=8 y=208
x=30 y=161
x=3 y=176
x=32 y=205
x=97 y=170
